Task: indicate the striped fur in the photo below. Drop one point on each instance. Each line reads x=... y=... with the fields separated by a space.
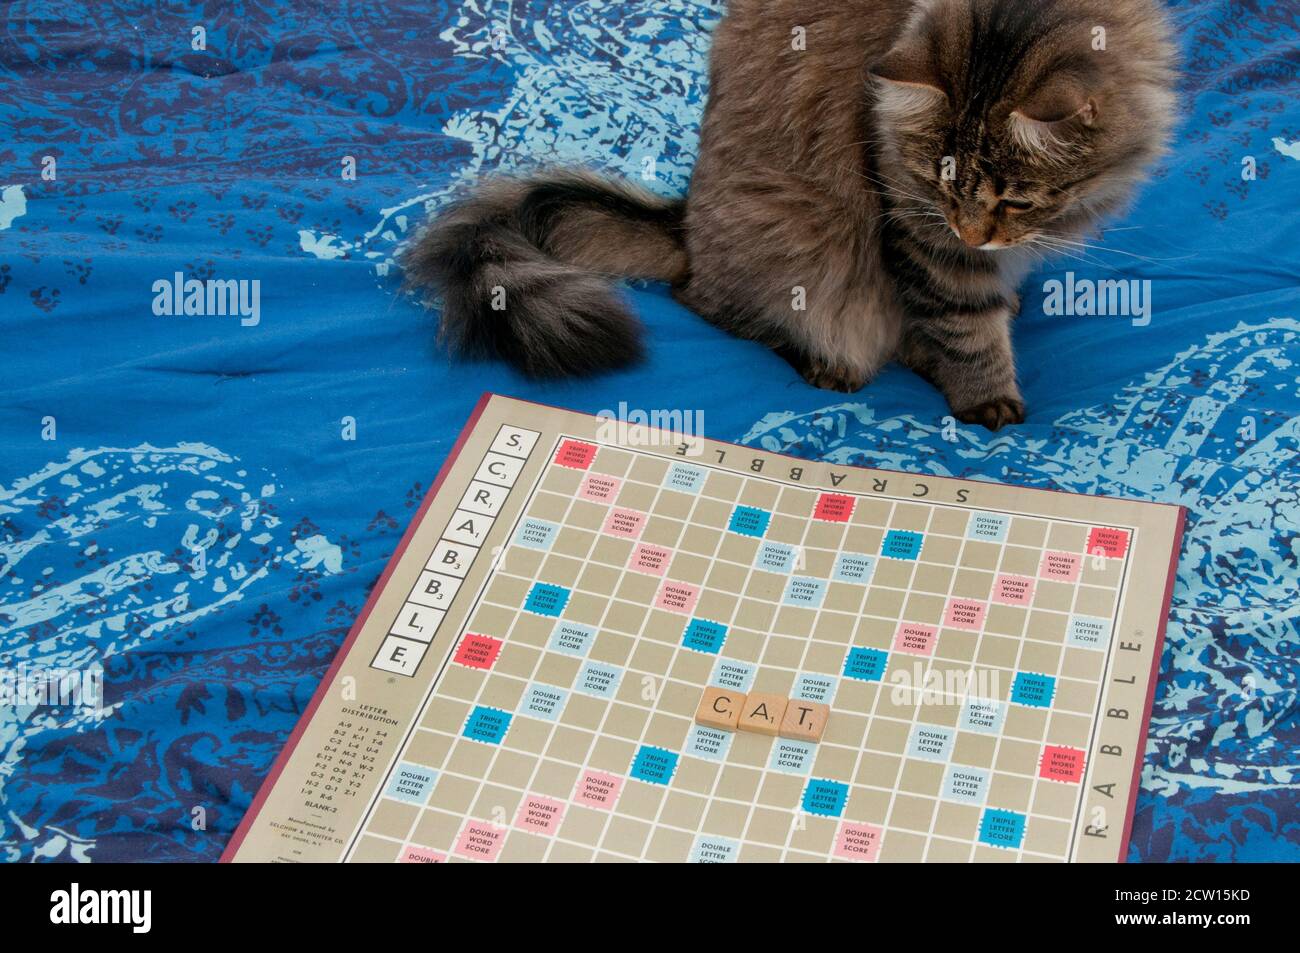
x=873 y=176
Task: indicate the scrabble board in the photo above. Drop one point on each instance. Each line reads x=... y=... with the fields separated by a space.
x=537 y=675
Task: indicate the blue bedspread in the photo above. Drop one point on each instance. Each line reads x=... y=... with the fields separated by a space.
x=198 y=504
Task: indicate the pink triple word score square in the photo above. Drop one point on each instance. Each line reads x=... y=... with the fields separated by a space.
x=541 y=815
x=651 y=559
x=858 y=841
x=625 y=523
x=478 y=651
x=1013 y=590
x=914 y=638
x=574 y=454
x=964 y=614
x=598 y=789
x=1111 y=543
x=599 y=488
x=835 y=507
x=677 y=596
x=1063 y=567
x=480 y=840
x=1061 y=764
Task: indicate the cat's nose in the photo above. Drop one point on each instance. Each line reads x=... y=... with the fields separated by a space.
x=974 y=229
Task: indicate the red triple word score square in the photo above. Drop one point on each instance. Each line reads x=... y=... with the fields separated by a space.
x=478 y=651
x=575 y=455
x=1061 y=764
x=834 y=507
x=1111 y=543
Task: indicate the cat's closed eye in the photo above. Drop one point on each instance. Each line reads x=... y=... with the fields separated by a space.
x=1016 y=205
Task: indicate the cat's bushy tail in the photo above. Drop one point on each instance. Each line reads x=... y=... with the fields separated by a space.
x=524 y=269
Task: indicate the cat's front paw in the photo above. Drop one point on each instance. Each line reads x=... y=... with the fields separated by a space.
x=833 y=377
x=994 y=414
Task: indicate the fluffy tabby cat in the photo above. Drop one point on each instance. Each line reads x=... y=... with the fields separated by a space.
x=901 y=168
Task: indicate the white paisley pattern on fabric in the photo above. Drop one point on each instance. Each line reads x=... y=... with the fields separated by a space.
x=600 y=83
x=133 y=549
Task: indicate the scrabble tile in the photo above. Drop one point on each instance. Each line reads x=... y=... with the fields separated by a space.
x=762 y=713
x=720 y=708
x=804 y=720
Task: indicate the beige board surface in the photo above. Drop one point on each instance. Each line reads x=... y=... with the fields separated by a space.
x=524 y=681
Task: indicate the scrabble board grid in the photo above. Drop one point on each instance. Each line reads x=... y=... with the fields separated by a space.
x=743 y=806
x=717 y=557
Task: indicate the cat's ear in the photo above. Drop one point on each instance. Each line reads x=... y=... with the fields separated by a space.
x=907 y=79
x=1050 y=118
x=911 y=63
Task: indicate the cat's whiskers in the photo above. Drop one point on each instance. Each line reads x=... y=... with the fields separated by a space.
x=1063 y=251
x=894 y=190
x=863 y=142
x=915 y=218
x=1079 y=255
x=885 y=175
x=1034 y=249
x=915 y=210
x=1076 y=243
x=885 y=190
x=910 y=211
x=892 y=182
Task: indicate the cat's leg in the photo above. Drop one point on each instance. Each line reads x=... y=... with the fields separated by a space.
x=844 y=354
x=826 y=372
x=848 y=334
x=837 y=339
x=968 y=357
x=845 y=363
